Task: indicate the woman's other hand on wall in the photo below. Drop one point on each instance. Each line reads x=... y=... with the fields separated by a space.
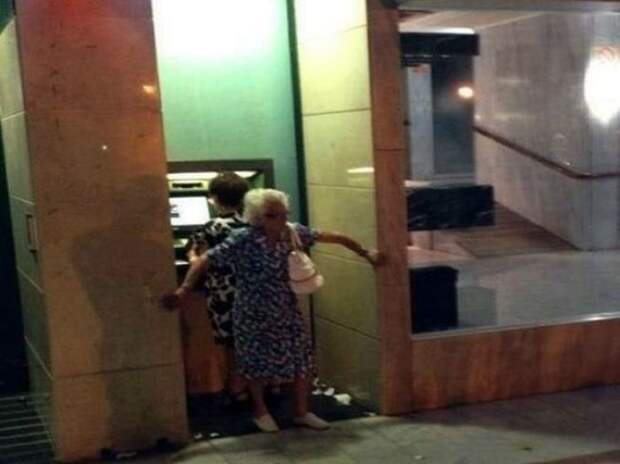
x=375 y=257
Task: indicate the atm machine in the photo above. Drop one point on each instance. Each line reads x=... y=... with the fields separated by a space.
x=188 y=185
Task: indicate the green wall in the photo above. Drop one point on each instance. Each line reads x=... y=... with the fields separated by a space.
x=6 y=12
x=225 y=78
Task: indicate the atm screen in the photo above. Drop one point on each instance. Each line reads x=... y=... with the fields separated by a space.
x=189 y=211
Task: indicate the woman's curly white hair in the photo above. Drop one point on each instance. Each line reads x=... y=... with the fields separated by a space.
x=255 y=201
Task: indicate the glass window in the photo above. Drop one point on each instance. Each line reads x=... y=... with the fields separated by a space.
x=513 y=192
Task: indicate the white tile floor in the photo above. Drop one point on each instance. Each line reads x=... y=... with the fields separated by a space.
x=568 y=428
x=533 y=288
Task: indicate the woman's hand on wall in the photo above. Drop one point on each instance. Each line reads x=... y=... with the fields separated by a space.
x=374 y=257
x=173 y=300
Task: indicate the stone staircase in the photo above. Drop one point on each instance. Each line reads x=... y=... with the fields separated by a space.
x=512 y=234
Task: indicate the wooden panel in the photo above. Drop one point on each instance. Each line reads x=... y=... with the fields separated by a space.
x=389 y=161
x=393 y=284
x=513 y=363
x=386 y=82
x=206 y=366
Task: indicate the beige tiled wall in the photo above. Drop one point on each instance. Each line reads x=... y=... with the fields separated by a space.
x=335 y=90
x=351 y=359
x=11 y=98
x=93 y=141
x=334 y=72
x=15 y=142
x=350 y=152
x=21 y=200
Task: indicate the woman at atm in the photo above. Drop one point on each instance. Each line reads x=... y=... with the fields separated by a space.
x=271 y=342
x=226 y=192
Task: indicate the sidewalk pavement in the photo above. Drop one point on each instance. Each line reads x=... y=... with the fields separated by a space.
x=581 y=427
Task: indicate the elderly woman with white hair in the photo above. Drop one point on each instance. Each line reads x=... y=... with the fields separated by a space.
x=271 y=341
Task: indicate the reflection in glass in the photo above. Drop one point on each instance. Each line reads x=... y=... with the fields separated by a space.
x=466 y=92
x=601 y=89
x=526 y=232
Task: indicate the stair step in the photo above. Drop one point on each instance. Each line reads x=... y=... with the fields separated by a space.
x=511 y=234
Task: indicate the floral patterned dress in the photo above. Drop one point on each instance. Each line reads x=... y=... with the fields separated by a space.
x=219 y=284
x=271 y=340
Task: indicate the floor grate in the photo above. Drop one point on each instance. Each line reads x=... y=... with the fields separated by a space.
x=24 y=439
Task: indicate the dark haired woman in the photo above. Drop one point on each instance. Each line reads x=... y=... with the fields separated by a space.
x=226 y=192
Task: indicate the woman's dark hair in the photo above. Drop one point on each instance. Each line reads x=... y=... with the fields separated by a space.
x=229 y=188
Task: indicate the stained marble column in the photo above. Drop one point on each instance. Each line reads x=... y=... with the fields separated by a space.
x=390 y=153
x=97 y=164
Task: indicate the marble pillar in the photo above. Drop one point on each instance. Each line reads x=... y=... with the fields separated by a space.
x=97 y=165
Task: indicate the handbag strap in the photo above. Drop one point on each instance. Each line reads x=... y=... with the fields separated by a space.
x=295 y=240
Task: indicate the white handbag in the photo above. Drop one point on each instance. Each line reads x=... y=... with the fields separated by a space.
x=304 y=278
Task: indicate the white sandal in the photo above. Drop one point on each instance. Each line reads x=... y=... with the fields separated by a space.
x=266 y=424
x=311 y=421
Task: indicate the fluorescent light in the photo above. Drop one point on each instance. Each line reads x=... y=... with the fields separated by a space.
x=362 y=170
x=208 y=175
x=204 y=175
x=214 y=30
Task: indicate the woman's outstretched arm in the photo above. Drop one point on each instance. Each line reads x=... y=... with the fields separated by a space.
x=371 y=255
x=194 y=274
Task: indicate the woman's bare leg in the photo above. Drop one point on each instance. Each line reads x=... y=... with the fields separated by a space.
x=256 y=388
x=300 y=391
x=237 y=383
x=262 y=418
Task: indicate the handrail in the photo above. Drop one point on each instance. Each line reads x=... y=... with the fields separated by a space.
x=562 y=169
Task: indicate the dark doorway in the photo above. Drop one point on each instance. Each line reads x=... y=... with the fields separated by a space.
x=13 y=367
x=216 y=415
